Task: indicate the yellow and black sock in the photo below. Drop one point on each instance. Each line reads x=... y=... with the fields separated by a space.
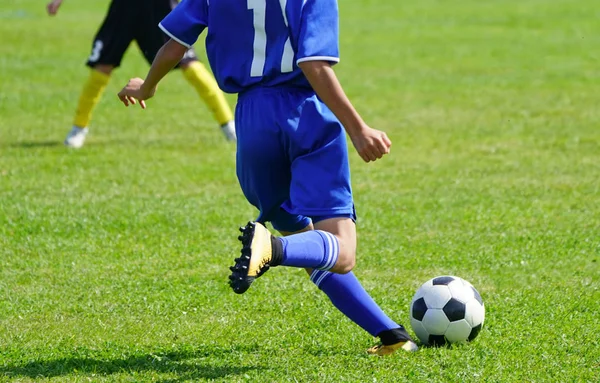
x=206 y=86
x=90 y=95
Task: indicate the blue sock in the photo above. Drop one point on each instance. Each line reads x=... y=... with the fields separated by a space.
x=348 y=296
x=314 y=249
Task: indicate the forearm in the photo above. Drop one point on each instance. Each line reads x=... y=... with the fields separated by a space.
x=167 y=57
x=323 y=80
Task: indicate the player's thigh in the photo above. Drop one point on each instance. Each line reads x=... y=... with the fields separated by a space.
x=262 y=164
x=320 y=184
x=113 y=37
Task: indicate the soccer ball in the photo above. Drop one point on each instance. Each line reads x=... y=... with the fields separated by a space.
x=446 y=309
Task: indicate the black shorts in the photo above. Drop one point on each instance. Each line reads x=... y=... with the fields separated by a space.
x=129 y=20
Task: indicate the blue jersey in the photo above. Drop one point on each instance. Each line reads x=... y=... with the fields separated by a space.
x=258 y=42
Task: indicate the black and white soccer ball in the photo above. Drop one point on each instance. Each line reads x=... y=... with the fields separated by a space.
x=446 y=309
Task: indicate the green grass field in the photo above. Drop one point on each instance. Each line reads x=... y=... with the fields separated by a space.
x=114 y=258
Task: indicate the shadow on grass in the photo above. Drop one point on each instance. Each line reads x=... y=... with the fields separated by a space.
x=94 y=143
x=177 y=363
x=36 y=144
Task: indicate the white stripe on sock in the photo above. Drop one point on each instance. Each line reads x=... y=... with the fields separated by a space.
x=326 y=266
x=334 y=252
x=314 y=275
x=320 y=279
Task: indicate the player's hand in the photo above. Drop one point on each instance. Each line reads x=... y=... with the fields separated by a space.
x=371 y=144
x=53 y=6
x=135 y=91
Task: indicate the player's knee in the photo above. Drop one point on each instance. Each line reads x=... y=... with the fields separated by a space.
x=104 y=68
x=346 y=261
x=346 y=266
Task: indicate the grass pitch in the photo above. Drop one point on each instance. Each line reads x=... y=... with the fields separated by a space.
x=113 y=258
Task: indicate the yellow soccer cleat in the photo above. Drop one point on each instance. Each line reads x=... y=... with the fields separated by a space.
x=383 y=350
x=258 y=246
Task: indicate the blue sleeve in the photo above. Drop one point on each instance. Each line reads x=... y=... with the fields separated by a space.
x=319 y=31
x=186 y=22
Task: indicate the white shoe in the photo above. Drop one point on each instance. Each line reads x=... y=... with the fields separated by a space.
x=228 y=130
x=76 y=137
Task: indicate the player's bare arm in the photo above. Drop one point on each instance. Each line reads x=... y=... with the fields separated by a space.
x=53 y=6
x=137 y=89
x=371 y=144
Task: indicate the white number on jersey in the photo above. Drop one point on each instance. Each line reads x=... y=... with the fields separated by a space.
x=259 y=10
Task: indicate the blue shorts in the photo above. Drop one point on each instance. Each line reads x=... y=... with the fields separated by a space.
x=292 y=157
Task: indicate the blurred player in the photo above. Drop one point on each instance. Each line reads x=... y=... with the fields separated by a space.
x=292 y=159
x=138 y=20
